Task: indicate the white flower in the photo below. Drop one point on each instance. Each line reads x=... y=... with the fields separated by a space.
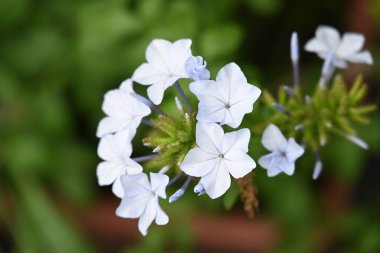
x=284 y=152
x=123 y=111
x=327 y=40
x=141 y=199
x=116 y=150
x=227 y=99
x=217 y=156
x=165 y=65
x=196 y=68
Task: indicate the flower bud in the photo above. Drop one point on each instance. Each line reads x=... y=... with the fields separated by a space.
x=195 y=68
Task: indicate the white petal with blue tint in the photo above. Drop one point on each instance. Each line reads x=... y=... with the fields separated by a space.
x=123 y=111
x=218 y=157
x=227 y=99
x=115 y=150
x=141 y=199
x=283 y=154
x=273 y=139
x=346 y=49
x=165 y=65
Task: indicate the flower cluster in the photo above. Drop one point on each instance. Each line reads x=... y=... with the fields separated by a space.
x=195 y=145
x=202 y=145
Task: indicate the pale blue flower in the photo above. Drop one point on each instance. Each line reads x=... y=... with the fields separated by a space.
x=345 y=49
x=116 y=150
x=227 y=99
x=141 y=199
x=217 y=157
x=165 y=65
x=123 y=111
x=284 y=152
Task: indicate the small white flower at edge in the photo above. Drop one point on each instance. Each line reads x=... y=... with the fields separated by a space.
x=227 y=99
x=328 y=41
x=123 y=111
x=165 y=65
x=284 y=152
x=116 y=150
x=141 y=199
x=217 y=156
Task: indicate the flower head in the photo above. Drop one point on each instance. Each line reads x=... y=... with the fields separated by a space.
x=227 y=99
x=123 y=111
x=165 y=65
x=284 y=152
x=217 y=156
x=328 y=41
x=196 y=68
x=116 y=150
x=141 y=199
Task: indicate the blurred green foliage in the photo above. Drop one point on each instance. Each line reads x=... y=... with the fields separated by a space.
x=58 y=58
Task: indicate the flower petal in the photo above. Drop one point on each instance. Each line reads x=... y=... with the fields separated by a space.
x=212 y=107
x=209 y=137
x=131 y=167
x=363 y=57
x=293 y=150
x=136 y=184
x=273 y=139
x=273 y=172
x=180 y=52
x=158 y=55
x=200 y=88
x=245 y=97
x=339 y=63
x=317 y=46
x=158 y=184
x=238 y=163
x=109 y=125
x=286 y=166
x=161 y=217
x=198 y=163
x=228 y=79
x=205 y=75
x=231 y=119
x=157 y=90
x=236 y=140
x=117 y=103
x=211 y=114
x=107 y=149
x=117 y=149
x=146 y=74
x=351 y=43
x=117 y=188
x=133 y=207
x=329 y=36
x=107 y=172
x=127 y=85
x=267 y=161
x=148 y=216
x=217 y=182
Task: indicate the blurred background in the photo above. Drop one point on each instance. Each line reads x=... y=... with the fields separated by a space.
x=57 y=60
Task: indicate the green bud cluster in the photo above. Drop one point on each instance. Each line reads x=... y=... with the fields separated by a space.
x=327 y=112
x=171 y=138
